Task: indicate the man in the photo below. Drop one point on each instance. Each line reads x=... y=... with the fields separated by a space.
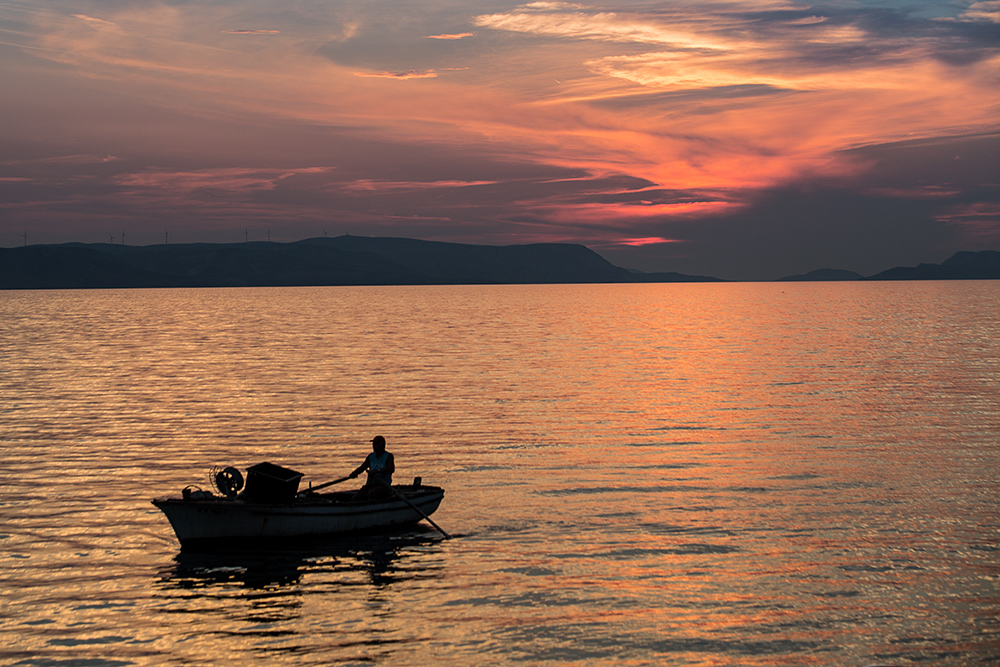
x=380 y=466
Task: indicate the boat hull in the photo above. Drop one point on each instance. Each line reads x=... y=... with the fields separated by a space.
x=223 y=520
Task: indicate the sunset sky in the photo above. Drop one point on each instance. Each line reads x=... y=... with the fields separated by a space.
x=744 y=140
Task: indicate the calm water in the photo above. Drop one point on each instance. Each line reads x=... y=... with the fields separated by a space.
x=738 y=474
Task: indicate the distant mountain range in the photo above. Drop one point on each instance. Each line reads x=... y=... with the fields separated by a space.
x=965 y=265
x=357 y=260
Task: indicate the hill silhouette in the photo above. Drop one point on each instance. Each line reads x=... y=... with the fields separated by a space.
x=344 y=260
x=964 y=265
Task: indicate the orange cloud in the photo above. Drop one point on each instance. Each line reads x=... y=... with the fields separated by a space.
x=460 y=35
x=649 y=240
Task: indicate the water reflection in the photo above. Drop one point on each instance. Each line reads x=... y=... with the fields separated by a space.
x=382 y=558
x=343 y=598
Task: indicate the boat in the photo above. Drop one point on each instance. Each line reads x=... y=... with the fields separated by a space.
x=271 y=508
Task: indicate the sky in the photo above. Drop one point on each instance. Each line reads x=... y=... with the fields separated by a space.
x=746 y=140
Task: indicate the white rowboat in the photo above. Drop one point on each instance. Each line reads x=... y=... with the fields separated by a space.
x=204 y=518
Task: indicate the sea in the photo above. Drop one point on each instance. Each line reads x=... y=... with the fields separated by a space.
x=643 y=474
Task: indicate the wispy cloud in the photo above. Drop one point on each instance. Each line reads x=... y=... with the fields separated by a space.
x=67 y=160
x=459 y=35
x=648 y=240
x=369 y=185
x=410 y=74
x=226 y=179
x=851 y=97
x=255 y=31
x=979 y=221
x=988 y=10
x=98 y=24
x=569 y=21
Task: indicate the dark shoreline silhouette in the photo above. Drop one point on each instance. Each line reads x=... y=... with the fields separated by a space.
x=359 y=260
x=343 y=260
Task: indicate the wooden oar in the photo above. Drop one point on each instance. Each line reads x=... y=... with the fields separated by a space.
x=408 y=502
x=324 y=485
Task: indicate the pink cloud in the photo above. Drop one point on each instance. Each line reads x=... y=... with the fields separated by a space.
x=979 y=222
x=624 y=214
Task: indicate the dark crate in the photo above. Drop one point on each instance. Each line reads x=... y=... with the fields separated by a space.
x=270 y=483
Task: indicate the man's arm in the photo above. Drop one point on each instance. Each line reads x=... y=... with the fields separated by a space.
x=360 y=469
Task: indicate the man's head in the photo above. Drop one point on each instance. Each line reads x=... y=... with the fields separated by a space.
x=378 y=444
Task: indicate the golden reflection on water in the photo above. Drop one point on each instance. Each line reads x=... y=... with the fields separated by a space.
x=749 y=474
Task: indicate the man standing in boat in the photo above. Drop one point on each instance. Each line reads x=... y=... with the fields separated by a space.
x=380 y=466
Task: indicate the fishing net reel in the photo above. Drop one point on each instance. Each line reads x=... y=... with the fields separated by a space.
x=228 y=480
